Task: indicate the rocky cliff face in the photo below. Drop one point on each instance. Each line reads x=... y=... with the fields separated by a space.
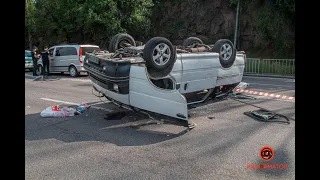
x=209 y=20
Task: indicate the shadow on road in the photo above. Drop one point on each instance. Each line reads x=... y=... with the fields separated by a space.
x=91 y=126
x=67 y=75
x=82 y=85
x=130 y=130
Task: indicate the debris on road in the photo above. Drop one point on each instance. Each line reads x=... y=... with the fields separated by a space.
x=241 y=96
x=267 y=116
x=63 y=110
x=242 y=85
x=211 y=117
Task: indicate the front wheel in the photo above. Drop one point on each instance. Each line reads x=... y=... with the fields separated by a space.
x=73 y=71
x=159 y=53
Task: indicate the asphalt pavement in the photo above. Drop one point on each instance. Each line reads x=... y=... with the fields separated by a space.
x=87 y=146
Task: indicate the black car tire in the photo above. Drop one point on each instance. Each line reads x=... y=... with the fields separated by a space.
x=165 y=58
x=118 y=39
x=73 y=71
x=192 y=40
x=227 y=52
x=110 y=48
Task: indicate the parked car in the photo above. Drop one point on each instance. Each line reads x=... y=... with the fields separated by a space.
x=28 y=64
x=162 y=78
x=68 y=58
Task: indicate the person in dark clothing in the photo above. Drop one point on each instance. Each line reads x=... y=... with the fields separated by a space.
x=45 y=61
x=35 y=58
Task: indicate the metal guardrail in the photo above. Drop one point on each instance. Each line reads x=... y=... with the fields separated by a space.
x=283 y=67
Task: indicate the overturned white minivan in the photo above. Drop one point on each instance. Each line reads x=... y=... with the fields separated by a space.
x=162 y=78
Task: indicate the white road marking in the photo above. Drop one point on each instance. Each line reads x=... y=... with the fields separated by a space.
x=72 y=103
x=81 y=80
x=61 y=78
x=64 y=102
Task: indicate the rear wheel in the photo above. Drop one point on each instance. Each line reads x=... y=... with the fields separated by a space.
x=227 y=52
x=119 y=40
x=110 y=49
x=73 y=71
x=192 y=41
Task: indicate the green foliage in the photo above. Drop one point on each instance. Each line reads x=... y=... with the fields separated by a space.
x=86 y=21
x=274 y=19
x=30 y=15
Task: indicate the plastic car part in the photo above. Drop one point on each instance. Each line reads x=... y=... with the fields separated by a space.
x=227 y=52
x=191 y=41
x=159 y=53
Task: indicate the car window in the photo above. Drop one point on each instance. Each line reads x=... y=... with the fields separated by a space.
x=27 y=54
x=66 y=51
x=165 y=83
x=88 y=50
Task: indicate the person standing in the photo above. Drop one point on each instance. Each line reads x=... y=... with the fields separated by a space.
x=35 y=58
x=45 y=61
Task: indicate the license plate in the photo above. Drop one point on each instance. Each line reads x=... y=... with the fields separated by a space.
x=94 y=59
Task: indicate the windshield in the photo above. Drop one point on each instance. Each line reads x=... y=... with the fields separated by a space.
x=27 y=54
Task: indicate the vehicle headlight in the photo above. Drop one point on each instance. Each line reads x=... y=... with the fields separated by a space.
x=115 y=87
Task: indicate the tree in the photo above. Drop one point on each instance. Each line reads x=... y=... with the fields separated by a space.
x=30 y=19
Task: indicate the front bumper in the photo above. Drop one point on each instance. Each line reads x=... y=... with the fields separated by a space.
x=116 y=88
x=123 y=98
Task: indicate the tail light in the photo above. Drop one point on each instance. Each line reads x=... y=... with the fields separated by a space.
x=80 y=54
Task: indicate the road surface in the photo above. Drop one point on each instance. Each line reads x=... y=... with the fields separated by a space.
x=87 y=146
